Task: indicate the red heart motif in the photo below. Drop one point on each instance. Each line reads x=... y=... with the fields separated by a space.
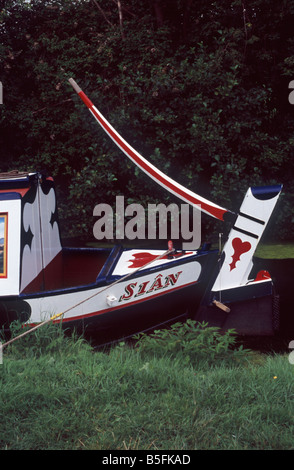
x=239 y=248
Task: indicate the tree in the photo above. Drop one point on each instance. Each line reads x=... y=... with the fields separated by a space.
x=199 y=88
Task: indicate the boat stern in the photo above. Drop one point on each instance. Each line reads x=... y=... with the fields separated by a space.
x=236 y=298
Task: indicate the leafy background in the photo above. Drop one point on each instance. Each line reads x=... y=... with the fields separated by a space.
x=200 y=88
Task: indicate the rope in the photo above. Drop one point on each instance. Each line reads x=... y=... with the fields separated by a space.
x=170 y=250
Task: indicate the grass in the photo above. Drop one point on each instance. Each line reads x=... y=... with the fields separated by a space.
x=56 y=393
x=275 y=251
x=264 y=250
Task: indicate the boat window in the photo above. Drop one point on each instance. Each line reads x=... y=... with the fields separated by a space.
x=3 y=244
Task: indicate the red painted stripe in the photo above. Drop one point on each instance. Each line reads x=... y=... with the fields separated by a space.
x=85 y=99
x=127 y=304
x=21 y=191
x=118 y=307
x=214 y=211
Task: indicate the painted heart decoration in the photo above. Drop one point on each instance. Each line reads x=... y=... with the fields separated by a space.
x=239 y=249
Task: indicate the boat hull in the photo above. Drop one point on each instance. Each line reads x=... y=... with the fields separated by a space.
x=125 y=322
x=118 y=305
x=252 y=310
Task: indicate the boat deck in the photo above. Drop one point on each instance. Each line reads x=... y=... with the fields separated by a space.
x=72 y=267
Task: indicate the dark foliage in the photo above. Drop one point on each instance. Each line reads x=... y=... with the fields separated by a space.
x=199 y=88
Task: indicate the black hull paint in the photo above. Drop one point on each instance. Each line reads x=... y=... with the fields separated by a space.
x=165 y=309
x=258 y=316
x=128 y=321
x=253 y=309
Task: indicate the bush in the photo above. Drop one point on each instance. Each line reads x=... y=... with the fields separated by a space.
x=191 y=341
x=48 y=339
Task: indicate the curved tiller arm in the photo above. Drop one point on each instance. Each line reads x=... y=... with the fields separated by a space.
x=172 y=186
x=249 y=224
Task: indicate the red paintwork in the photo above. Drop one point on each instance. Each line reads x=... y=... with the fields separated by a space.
x=214 y=211
x=121 y=306
x=21 y=191
x=68 y=269
x=239 y=249
x=262 y=275
x=143 y=258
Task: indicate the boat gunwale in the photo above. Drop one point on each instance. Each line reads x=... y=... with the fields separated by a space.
x=108 y=279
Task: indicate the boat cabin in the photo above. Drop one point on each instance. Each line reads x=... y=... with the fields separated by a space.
x=31 y=255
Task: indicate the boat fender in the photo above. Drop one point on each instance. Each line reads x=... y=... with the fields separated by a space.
x=221 y=306
x=111 y=300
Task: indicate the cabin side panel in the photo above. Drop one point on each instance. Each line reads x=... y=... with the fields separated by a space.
x=41 y=246
x=10 y=221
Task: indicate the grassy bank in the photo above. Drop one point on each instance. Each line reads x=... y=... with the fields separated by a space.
x=166 y=393
x=275 y=251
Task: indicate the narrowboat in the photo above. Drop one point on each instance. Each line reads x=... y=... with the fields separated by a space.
x=113 y=293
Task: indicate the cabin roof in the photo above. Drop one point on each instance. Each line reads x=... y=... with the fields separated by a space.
x=16 y=180
x=15 y=175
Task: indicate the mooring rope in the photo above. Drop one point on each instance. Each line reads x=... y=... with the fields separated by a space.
x=54 y=317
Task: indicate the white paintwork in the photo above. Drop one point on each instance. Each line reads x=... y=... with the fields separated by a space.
x=43 y=308
x=124 y=264
x=166 y=182
x=45 y=242
x=50 y=234
x=10 y=284
x=259 y=209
